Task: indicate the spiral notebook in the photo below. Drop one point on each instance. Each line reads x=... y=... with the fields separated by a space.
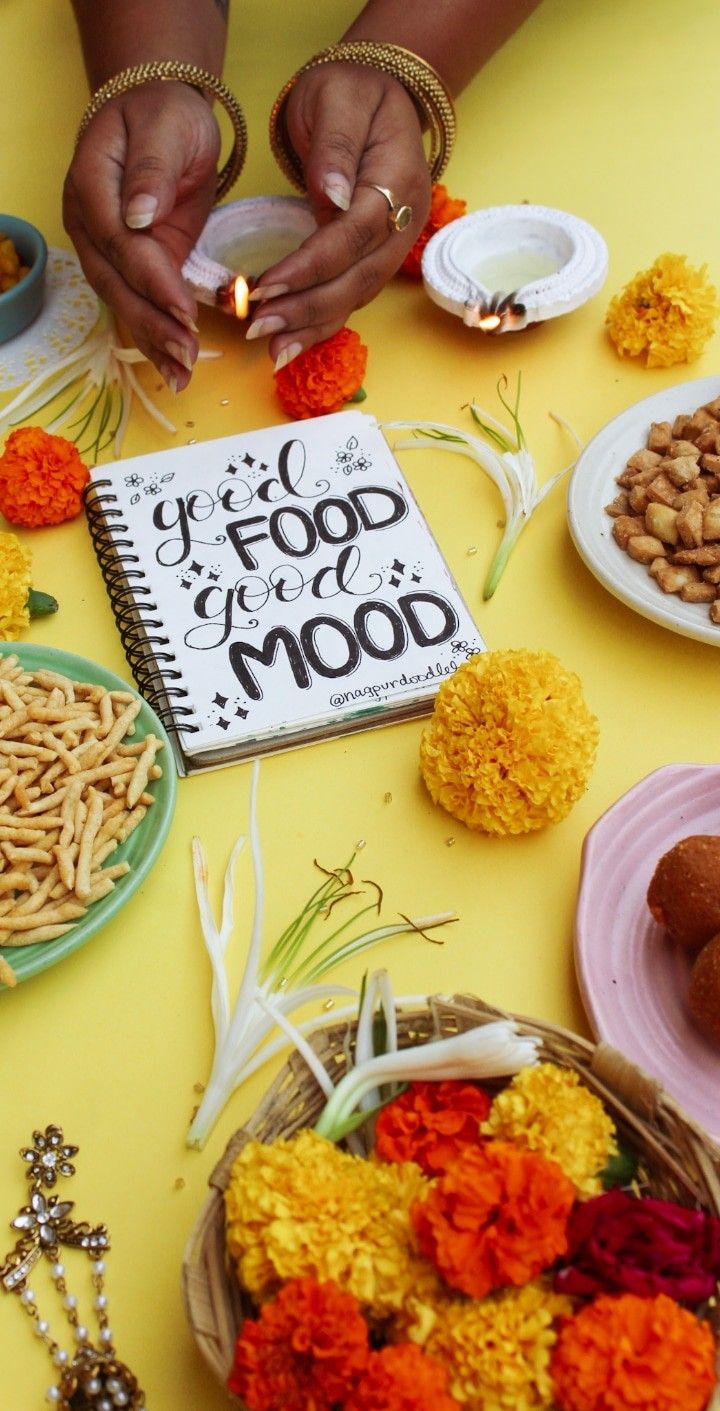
x=276 y=587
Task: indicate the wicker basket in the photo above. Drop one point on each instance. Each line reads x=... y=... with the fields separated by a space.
x=677 y=1159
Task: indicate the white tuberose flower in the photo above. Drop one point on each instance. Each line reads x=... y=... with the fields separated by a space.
x=493 y=1050
x=508 y=462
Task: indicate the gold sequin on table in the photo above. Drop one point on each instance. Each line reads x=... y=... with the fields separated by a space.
x=92 y=1378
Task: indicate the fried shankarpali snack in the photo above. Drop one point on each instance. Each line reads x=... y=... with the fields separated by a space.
x=667 y=514
x=72 y=789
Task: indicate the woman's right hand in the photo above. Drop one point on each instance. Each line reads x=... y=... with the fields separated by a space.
x=137 y=194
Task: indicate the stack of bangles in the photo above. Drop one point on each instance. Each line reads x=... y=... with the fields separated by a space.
x=172 y=71
x=418 y=77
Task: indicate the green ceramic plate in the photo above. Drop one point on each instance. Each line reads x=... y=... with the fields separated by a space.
x=142 y=847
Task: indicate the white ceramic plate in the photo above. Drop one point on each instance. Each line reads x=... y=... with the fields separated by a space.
x=593 y=486
x=633 y=980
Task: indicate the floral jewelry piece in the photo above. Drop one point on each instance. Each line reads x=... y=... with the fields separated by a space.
x=93 y=1379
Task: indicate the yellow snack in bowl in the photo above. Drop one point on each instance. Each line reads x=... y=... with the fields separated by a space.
x=12 y=270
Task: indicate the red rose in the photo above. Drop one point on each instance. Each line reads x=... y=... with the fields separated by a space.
x=620 y=1243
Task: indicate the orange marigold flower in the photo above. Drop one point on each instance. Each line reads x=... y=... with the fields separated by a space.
x=497 y=1216
x=41 y=478
x=431 y=1124
x=646 y=1353
x=402 y=1378
x=324 y=377
x=443 y=209
x=305 y=1350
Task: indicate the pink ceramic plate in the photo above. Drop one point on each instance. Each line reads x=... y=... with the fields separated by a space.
x=633 y=980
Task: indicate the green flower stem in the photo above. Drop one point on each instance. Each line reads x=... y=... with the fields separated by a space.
x=328 y=944
x=294 y=934
x=511 y=534
x=41 y=604
x=371 y=938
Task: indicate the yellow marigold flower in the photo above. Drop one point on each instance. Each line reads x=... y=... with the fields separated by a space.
x=302 y=1207
x=497 y=1350
x=666 y=313
x=547 y=1109
x=511 y=742
x=15 y=572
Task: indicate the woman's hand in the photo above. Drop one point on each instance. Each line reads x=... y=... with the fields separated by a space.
x=137 y=195
x=351 y=126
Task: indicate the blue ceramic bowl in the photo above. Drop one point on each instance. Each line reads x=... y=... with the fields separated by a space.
x=21 y=304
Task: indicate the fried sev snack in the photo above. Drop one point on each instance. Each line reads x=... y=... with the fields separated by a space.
x=72 y=789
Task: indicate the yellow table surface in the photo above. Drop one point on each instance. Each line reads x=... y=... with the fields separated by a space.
x=607 y=111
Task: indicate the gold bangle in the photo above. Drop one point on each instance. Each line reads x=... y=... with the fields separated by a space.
x=415 y=74
x=167 y=71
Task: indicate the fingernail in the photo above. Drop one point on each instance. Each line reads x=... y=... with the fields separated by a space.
x=183 y=318
x=169 y=377
x=338 y=190
x=264 y=326
x=268 y=291
x=180 y=353
x=141 y=212
x=287 y=355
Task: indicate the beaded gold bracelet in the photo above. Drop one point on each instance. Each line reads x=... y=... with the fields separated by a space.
x=415 y=74
x=171 y=70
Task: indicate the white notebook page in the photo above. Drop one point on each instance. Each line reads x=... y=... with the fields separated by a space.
x=294 y=576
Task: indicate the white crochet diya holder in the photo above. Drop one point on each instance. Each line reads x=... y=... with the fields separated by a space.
x=239 y=242
x=506 y=267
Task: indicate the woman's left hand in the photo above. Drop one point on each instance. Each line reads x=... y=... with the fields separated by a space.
x=352 y=128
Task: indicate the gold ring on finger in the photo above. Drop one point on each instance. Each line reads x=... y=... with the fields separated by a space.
x=399 y=216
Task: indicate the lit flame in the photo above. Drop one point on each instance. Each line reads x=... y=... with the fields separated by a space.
x=233 y=297
x=490 y=322
x=240 y=291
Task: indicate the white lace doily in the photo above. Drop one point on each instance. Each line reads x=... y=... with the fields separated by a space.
x=69 y=312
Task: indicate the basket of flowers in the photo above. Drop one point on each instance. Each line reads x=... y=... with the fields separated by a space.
x=492 y=1215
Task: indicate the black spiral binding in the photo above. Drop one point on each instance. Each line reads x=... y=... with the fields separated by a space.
x=151 y=666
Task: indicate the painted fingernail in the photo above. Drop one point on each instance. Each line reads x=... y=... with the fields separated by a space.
x=268 y=291
x=338 y=190
x=262 y=327
x=287 y=355
x=180 y=353
x=183 y=318
x=140 y=212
